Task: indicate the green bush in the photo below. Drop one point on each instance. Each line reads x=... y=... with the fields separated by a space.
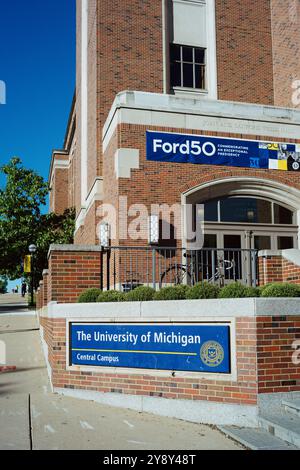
x=280 y=290
x=172 y=293
x=203 y=291
x=140 y=294
x=111 y=296
x=237 y=290
x=89 y=296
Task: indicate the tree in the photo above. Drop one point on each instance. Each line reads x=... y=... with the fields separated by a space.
x=22 y=221
x=3 y=285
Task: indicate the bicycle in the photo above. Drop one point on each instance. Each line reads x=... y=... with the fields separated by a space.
x=178 y=274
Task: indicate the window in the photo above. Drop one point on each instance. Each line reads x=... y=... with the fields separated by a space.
x=187 y=67
x=285 y=243
x=246 y=210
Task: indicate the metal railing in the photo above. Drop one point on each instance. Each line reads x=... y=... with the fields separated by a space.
x=125 y=268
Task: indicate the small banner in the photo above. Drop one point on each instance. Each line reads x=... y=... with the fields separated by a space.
x=27 y=264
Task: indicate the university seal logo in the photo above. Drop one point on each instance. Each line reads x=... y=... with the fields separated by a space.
x=212 y=353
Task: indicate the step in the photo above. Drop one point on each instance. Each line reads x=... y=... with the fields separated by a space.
x=292 y=406
x=256 y=438
x=283 y=425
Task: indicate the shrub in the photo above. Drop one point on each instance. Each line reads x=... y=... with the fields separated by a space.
x=140 y=294
x=203 y=291
x=111 y=296
x=237 y=290
x=172 y=293
x=89 y=296
x=280 y=290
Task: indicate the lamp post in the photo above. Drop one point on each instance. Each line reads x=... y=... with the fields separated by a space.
x=32 y=250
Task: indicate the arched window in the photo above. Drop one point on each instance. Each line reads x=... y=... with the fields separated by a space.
x=246 y=210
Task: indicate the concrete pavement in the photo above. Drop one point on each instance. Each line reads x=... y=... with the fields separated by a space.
x=31 y=417
x=13 y=303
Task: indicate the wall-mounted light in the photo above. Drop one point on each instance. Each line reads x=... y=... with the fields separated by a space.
x=153 y=229
x=250 y=215
x=104 y=235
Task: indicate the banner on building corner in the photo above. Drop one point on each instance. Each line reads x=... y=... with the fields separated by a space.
x=197 y=149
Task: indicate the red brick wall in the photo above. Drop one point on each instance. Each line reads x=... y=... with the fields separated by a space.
x=275 y=337
x=242 y=391
x=278 y=269
x=244 y=51
x=70 y=273
x=255 y=64
x=86 y=235
x=264 y=363
x=164 y=182
x=93 y=165
x=286 y=49
x=44 y=291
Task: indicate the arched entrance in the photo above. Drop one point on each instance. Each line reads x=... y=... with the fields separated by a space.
x=247 y=214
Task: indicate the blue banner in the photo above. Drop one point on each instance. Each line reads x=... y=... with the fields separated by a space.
x=195 y=348
x=181 y=148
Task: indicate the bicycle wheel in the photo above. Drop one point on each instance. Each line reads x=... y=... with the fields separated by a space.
x=176 y=275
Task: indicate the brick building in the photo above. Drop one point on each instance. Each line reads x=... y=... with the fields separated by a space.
x=211 y=74
x=188 y=104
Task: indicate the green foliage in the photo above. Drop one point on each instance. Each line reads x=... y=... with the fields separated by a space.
x=280 y=290
x=140 y=294
x=89 y=296
x=54 y=228
x=3 y=285
x=22 y=222
x=111 y=296
x=172 y=293
x=203 y=291
x=237 y=290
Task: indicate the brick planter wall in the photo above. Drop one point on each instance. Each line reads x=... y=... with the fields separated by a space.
x=278 y=267
x=276 y=371
x=72 y=270
x=242 y=391
x=262 y=354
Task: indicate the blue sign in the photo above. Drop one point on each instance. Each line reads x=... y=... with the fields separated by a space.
x=182 y=148
x=195 y=348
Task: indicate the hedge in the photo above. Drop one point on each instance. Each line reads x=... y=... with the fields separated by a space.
x=172 y=293
x=199 y=291
x=238 y=291
x=140 y=294
x=203 y=291
x=111 y=296
x=280 y=290
x=89 y=296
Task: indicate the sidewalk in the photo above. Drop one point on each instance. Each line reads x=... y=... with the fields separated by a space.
x=13 y=303
x=31 y=417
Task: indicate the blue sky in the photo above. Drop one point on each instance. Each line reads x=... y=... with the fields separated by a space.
x=37 y=63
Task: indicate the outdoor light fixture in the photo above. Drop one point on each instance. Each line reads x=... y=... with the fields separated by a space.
x=250 y=214
x=104 y=235
x=32 y=249
x=153 y=227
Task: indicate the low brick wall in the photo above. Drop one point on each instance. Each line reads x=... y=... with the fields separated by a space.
x=279 y=266
x=262 y=353
x=276 y=370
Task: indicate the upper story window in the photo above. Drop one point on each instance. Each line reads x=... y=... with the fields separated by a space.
x=187 y=67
